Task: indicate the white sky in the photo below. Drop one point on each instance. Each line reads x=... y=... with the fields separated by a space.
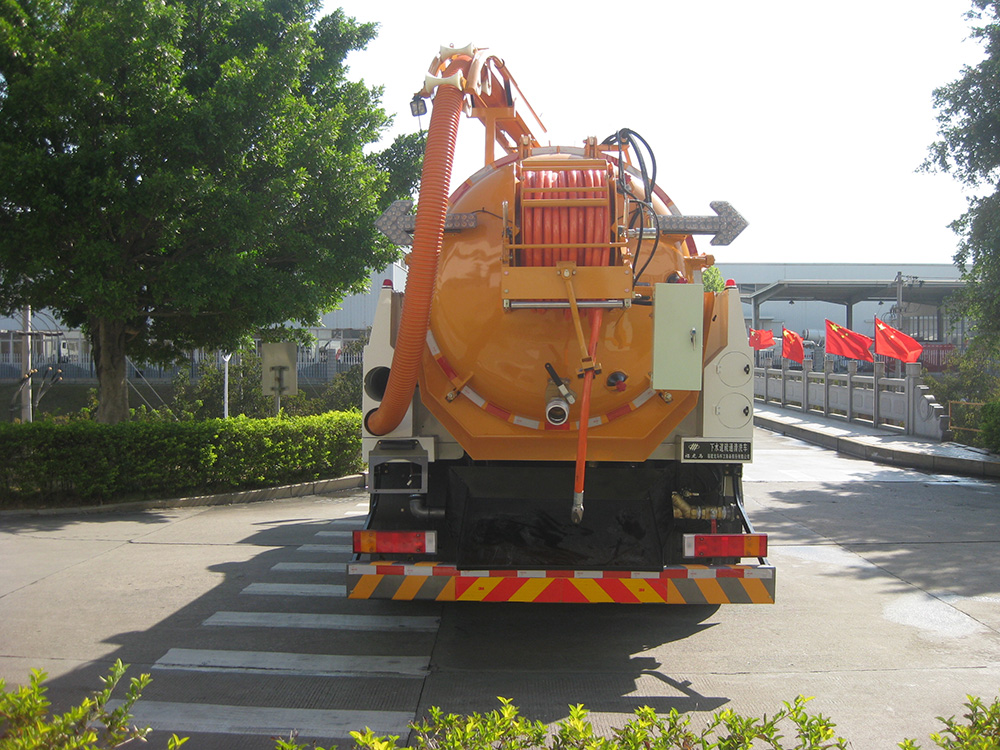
x=809 y=117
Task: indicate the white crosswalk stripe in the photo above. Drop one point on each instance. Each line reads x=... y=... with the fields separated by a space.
x=223 y=669
x=308 y=567
x=263 y=720
x=296 y=589
x=331 y=549
x=204 y=660
x=381 y=623
x=345 y=536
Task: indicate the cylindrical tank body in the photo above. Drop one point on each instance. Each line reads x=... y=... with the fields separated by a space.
x=484 y=373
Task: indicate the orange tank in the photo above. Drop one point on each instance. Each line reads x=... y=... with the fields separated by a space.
x=501 y=313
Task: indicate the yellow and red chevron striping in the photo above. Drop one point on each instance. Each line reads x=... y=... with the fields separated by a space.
x=681 y=584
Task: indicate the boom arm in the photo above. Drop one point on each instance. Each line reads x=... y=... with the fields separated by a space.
x=495 y=96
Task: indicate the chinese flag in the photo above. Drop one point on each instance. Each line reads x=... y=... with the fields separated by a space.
x=847 y=343
x=791 y=346
x=761 y=339
x=892 y=343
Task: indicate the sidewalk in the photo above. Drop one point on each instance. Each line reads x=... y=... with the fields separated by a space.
x=282 y=492
x=883 y=446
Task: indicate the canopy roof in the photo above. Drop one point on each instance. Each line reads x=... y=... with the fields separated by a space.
x=849 y=291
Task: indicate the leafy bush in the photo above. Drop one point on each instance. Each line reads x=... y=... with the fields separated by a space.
x=982 y=732
x=25 y=723
x=989 y=420
x=82 y=460
x=504 y=729
x=202 y=398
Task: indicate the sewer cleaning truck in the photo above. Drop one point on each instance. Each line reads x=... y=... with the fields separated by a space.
x=555 y=409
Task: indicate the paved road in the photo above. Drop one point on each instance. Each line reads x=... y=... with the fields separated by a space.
x=888 y=612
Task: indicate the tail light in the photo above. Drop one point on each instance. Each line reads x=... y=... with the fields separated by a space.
x=725 y=545
x=398 y=542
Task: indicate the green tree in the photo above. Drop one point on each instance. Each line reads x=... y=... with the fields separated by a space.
x=969 y=148
x=177 y=175
x=711 y=277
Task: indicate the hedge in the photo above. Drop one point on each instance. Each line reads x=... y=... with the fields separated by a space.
x=26 y=723
x=990 y=423
x=44 y=463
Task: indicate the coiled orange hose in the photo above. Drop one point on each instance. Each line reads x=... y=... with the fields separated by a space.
x=432 y=207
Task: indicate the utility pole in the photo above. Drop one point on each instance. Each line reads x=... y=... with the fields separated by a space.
x=225 y=384
x=26 y=366
x=899 y=301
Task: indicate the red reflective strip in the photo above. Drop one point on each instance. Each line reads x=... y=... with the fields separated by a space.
x=674 y=573
x=729 y=573
x=446 y=367
x=552 y=593
x=617 y=590
x=496 y=411
x=504 y=590
x=571 y=594
x=621 y=411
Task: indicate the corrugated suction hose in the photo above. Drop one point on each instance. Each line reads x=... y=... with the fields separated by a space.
x=427 y=239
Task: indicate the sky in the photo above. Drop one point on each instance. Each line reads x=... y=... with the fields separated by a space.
x=810 y=118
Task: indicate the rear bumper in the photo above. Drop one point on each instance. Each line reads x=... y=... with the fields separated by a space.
x=678 y=584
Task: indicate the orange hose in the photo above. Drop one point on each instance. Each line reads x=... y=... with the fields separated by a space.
x=597 y=317
x=427 y=239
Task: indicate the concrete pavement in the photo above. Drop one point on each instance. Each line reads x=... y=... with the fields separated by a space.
x=880 y=445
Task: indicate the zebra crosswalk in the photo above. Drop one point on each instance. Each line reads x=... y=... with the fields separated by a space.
x=289 y=654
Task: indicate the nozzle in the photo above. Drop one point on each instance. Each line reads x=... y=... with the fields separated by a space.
x=557 y=411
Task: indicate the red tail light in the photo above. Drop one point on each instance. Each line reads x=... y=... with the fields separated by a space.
x=400 y=542
x=725 y=545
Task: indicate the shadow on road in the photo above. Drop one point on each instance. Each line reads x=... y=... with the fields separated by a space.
x=26 y=523
x=544 y=657
x=938 y=536
x=547 y=657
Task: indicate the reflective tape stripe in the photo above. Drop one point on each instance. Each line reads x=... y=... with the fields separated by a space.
x=681 y=584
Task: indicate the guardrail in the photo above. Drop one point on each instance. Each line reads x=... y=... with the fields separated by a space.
x=904 y=405
x=81 y=369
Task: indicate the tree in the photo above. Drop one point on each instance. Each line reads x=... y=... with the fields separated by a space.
x=177 y=174
x=969 y=148
x=711 y=277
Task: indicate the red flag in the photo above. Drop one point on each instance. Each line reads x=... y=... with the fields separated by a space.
x=892 y=343
x=847 y=343
x=761 y=339
x=791 y=346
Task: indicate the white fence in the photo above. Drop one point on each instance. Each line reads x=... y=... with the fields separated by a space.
x=903 y=404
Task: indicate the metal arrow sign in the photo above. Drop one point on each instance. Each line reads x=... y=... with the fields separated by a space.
x=397 y=223
x=725 y=226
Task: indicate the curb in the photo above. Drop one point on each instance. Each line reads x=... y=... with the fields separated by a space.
x=319 y=487
x=880 y=453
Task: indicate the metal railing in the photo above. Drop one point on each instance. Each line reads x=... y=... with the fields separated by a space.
x=961 y=414
x=312 y=367
x=904 y=405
